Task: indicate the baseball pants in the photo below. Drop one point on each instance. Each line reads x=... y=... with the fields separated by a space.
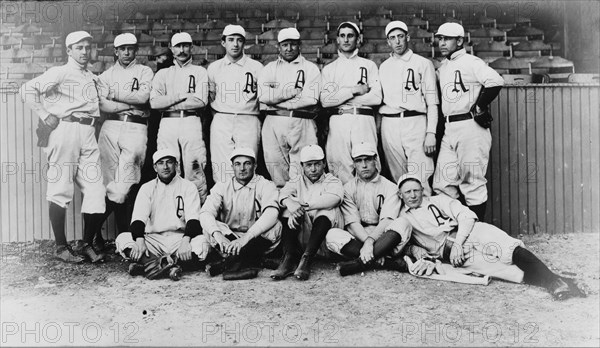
x=73 y=157
x=403 y=139
x=122 y=151
x=226 y=133
x=273 y=235
x=462 y=162
x=337 y=238
x=185 y=133
x=345 y=131
x=283 y=138
x=334 y=216
x=164 y=243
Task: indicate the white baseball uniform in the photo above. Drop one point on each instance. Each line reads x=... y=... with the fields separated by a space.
x=69 y=92
x=165 y=210
x=234 y=103
x=352 y=121
x=409 y=111
x=284 y=134
x=180 y=127
x=123 y=137
x=465 y=148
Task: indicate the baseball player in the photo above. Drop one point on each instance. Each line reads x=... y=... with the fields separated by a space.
x=311 y=208
x=410 y=108
x=467 y=86
x=240 y=217
x=66 y=100
x=234 y=102
x=124 y=93
x=351 y=88
x=441 y=227
x=290 y=88
x=165 y=220
x=368 y=198
x=179 y=91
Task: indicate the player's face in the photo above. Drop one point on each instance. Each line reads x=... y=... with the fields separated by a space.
x=166 y=168
x=80 y=51
x=449 y=45
x=162 y=58
x=234 y=46
x=366 y=167
x=243 y=168
x=398 y=40
x=182 y=52
x=126 y=54
x=411 y=194
x=289 y=50
x=347 y=40
x=313 y=169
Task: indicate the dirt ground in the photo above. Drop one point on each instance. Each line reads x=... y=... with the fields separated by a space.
x=47 y=302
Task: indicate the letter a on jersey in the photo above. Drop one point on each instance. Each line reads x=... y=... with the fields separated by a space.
x=192 y=84
x=180 y=209
x=410 y=79
x=250 y=83
x=437 y=214
x=135 y=85
x=363 y=76
x=458 y=82
x=300 y=79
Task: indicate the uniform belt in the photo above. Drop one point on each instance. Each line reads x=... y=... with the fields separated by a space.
x=292 y=113
x=234 y=113
x=89 y=121
x=459 y=117
x=180 y=113
x=355 y=110
x=126 y=118
x=407 y=113
x=448 y=245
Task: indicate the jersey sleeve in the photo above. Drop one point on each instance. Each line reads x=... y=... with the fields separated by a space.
x=191 y=202
x=269 y=195
x=142 y=207
x=348 y=207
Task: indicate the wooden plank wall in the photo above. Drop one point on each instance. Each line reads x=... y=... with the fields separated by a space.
x=544 y=172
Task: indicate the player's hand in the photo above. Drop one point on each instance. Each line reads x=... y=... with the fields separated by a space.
x=222 y=241
x=429 y=144
x=293 y=222
x=295 y=208
x=138 y=249
x=360 y=89
x=184 y=253
x=366 y=252
x=380 y=261
x=236 y=246
x=52 y=121
x=422 y=266
x=457 y=256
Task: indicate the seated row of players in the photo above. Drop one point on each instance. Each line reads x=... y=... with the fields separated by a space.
x=288 y=90
x=363 y=221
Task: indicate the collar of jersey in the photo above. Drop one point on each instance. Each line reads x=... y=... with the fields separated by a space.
x=458 y=54
x=175 y=179
x=376 y=179
x=177 y=66
x=353 y=55
x=237 y=186
x=298 y=60
x=407 y=208
x=240 y=62
x=73 y=63
x=133 y=62
x=405 y=57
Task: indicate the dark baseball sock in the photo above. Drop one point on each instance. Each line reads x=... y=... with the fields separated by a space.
x=535 y=271
x=320 y=227
x=92 y=225
x=192 y=265
x=57 y=220
x=479 y=210
x=289 y=238
x=385 y=244
x=122 y=217
x=252 y=253
x=352 y=248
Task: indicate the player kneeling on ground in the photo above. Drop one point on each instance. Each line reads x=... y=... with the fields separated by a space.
x=165 y=229
x=311 y=205
x=370 y=204
x=443 y=228
x=240 y=219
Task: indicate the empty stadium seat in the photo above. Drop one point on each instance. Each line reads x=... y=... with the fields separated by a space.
x=584 y=78
x=511 y=65
x=517 y=79
x=531 y=49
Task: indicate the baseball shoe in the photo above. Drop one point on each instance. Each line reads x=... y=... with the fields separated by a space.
x=66 y=254
x=136 y=269
x=91 y=254
x=559 y=289
x=286 y=267
x=303 y=270
x=248 y=273
x=396 y=265
x=576 y=290
x=351 y=267
x=175 y=273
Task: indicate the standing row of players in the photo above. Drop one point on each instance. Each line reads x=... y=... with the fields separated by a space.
x=289 y=92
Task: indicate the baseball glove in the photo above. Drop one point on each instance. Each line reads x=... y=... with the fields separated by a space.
x=43 y=133
x=483 y=118
x=160 y=267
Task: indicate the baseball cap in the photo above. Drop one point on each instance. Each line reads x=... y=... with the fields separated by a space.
x=288 y=34
x=407 y=177
x=242 y=151
x=311 y=153
x=232 y=29
x=160 y=154
x=125 y=39
x=158 y=50
x=395 y=25
x=76 y=36
x=351 y=24
x=451 y=29
x=363 y=149
x=180 y=38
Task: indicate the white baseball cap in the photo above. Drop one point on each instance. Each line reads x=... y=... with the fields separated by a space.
x=352 y=24
x=288 y=34
x=76 y=36
x=232 y=29
x=363 y=149
x=311 y=153
x=160 y=154
x=395 y=25
x=125 y=39
x=451 y=29
x=242 y=151
x=180 y=38
x=407 y=177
